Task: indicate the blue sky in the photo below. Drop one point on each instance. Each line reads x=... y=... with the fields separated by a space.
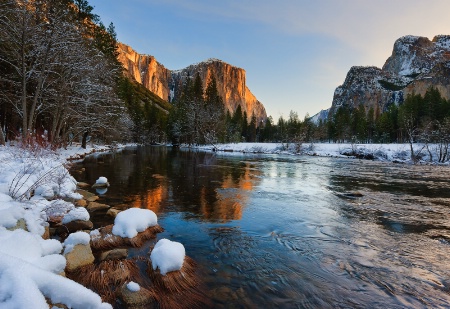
x=295 y=52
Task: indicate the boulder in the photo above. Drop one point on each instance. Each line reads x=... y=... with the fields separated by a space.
x=113 y=212
x=115 y=254
x=94 y=206
x=74 y=226
x=137 y=299
x=81 y=255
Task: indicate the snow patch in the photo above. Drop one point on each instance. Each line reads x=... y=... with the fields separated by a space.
x=130 y=222
x=78 y=213
x=101 y=180
x=133 y=286
x=78 y=238
x=167 y=256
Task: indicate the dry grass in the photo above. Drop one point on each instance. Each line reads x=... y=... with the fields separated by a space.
x=107 y=277
x=107 y=240
x=178 y=289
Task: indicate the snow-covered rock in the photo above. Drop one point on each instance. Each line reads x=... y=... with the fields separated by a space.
x=130 y=222
x=101 y=182
x=133 y=286
x=78 y=238
x=78 y=213
x=167 y=256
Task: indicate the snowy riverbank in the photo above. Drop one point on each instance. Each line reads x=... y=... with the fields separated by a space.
x=399 y=153
x=34 y=185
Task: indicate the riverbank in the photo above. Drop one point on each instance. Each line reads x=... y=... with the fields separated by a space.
x=398 y=153
x=34 y=184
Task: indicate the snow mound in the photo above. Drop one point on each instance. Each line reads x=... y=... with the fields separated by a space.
x=167 y=256
x=133 y=286
x=101 y=180
x=10 y=215
x=78 y=213
x=24 y=285
x=27 y=246
x=130 y=222
x=78 y=238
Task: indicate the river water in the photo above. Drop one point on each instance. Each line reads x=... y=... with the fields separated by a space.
x=274 y=231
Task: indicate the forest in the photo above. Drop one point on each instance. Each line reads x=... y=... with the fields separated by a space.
x=61 y=82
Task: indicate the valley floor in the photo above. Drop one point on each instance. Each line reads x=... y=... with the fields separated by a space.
x=35 y=183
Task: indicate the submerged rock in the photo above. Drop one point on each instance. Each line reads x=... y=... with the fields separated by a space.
x=115 y=254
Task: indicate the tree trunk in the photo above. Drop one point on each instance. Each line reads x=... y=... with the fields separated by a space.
x=2 y=137
x=84 y=140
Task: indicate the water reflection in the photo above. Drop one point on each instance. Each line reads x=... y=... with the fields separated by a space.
x=155 y=177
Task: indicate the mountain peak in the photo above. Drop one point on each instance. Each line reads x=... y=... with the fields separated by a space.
x=167 y=84
x=415 y=64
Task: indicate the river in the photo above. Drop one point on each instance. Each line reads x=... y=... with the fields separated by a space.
x=279 y=231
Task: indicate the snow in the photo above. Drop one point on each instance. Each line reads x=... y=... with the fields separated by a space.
x=78 y=238
x=10 y=215
x=380 y=152
x=101 y=180
x=133 y=286
x=167 y=256
x=25 y=285
x=29 y=264
x=130 y=222
x=78 y=213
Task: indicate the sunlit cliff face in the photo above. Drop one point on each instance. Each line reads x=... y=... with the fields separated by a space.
x=165 y=83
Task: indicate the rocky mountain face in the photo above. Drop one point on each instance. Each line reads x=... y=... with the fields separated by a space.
x=415 y=65
x=146 y=71
x=167 y=84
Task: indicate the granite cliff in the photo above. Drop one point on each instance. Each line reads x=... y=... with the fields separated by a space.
x=416 y=64
x=165 y=83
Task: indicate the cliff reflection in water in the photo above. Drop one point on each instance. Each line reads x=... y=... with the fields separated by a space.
x=165 y=180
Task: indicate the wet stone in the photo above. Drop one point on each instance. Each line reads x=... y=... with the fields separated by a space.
x=115 y=254
x=94 y=206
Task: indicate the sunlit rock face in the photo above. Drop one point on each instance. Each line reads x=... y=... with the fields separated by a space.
x=231 y=84
x=415 y=65
x=167 y=84
x=146 y=70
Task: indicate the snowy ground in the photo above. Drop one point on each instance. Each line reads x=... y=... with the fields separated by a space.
x=33 y=185
x=381 y=152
